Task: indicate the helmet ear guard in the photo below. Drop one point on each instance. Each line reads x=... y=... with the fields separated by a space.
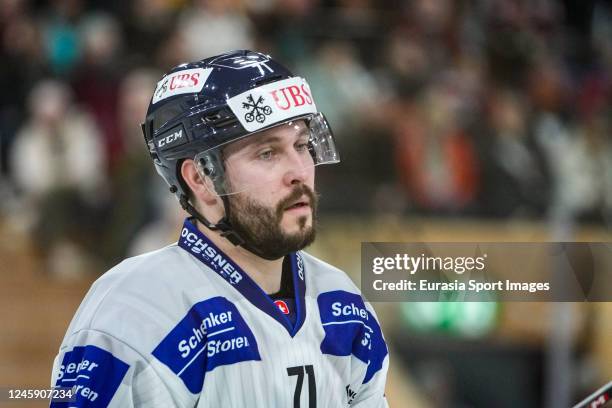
x=182 y=190
x=210 y=168
x=205 y=167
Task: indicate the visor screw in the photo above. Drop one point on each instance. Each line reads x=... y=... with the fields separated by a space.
x=173 y=189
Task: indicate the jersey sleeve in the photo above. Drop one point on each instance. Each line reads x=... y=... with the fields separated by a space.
x=103 y=371
x=352 y=331
x=371 y=393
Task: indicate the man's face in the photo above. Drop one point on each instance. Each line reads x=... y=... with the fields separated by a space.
x=275 y=210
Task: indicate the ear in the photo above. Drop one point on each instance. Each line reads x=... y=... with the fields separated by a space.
x=201 y=187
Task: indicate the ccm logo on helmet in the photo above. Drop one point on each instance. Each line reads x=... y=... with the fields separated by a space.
x=171 y=139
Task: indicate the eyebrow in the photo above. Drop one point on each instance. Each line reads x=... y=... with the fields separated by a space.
x=265 y=139
x=272 y=138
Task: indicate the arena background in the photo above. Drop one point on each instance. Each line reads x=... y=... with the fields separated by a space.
x=467 y=120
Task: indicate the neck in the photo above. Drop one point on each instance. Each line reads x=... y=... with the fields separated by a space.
x=267 y=274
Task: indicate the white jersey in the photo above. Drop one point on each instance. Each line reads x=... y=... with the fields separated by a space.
x=185 y=326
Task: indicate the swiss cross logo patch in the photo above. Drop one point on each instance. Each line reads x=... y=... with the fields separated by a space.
x=282 y=306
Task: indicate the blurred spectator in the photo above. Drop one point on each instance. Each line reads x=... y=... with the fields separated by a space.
x=348 y=92
x=134 y=185
x=62 y=41
x=284 y=28
x=23 y=62
x=211 y=27
x=435 y=154
x=515 y=177
x=58 y=167
x=602 y=32
x=162 y=229
x=58 y=146
x=568 y=153
x=580 y=160
x=409 y=64
x=97 y=75
x=148 y=26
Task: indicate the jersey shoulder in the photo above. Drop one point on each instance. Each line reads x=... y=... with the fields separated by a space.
x=138 y=292
x=326 y=277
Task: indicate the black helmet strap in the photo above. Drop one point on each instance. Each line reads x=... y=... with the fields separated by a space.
x=222 y=225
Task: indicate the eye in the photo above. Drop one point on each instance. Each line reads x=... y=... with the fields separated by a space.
x=266 y=154
x=301 y=146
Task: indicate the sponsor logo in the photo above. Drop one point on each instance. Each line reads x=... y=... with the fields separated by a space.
x=599 y=402
x=257 y=61
x=257 y=112
x=92 y=373
x=300 y=266
x=211 y=334
x=287 y=98
x=351 y=329
x=81 y=368
x=181 y=82
x=292 y=96
x=186 y=345
x=214 y=259
x=171 y=139
x=339 y=309
x=221 y=346
x=350 y=394
x=282 y=306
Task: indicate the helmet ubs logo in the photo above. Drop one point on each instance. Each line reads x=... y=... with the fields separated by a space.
x=257 y=111
x=181 y=82
x=163 y=88
x=272 y=103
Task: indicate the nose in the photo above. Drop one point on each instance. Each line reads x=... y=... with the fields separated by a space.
x=297 y=170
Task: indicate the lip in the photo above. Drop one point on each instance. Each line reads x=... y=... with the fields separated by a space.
x=299 y=205
x=295 y=210
x=298 y=212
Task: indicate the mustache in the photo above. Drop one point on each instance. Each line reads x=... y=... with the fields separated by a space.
x=295 y=194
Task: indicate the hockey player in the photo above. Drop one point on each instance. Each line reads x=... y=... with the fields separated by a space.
x=234 y=314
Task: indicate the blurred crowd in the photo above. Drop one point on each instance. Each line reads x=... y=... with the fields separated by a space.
x=479 y=108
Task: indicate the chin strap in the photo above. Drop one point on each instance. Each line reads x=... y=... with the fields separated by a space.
x=222 y=225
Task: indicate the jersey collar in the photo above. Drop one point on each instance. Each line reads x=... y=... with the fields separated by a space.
x=197 y=244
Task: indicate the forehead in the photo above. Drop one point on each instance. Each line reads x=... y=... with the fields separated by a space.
x=286 y=132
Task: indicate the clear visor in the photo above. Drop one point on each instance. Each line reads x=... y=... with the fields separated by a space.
x=290 y=149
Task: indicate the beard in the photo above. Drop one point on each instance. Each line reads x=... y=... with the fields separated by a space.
x=260 y=226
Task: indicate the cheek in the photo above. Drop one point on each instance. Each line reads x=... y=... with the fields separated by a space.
x=262 y=196
x=310 y=178
x=259 y=181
